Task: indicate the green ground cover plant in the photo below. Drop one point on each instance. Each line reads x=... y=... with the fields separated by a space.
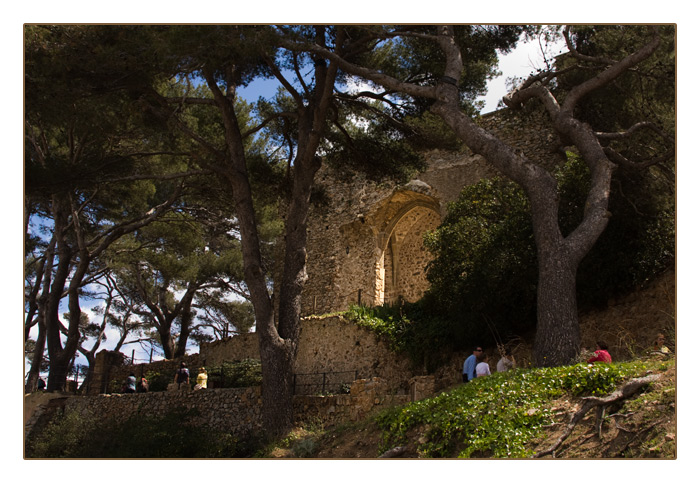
x=497 y=416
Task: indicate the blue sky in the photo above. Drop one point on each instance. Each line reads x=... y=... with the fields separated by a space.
x=520 y=62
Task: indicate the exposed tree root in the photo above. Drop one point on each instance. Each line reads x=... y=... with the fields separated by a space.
x=624 y=392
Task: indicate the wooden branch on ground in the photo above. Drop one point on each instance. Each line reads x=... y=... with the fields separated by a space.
x=625 y=392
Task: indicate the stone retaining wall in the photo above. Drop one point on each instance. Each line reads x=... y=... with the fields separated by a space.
x=366 y=396
x=232 y=410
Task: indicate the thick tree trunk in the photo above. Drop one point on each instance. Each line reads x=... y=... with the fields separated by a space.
x=557 y=341
x=278 y=344
x=166 y=340
x=58 y=372
x=277 y=357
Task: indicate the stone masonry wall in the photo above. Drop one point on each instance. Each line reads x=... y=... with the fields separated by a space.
x=327 y=344
x=349 y=231
x=232 y=410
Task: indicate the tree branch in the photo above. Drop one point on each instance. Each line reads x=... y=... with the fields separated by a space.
x=612 y=72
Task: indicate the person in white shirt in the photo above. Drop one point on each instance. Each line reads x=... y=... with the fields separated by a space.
x=482 y=368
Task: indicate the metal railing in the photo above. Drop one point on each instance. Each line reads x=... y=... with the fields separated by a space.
x=324 y=382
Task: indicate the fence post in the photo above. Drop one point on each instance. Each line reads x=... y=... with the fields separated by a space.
x=323 y=385
x=294 y=385
x=359 y=296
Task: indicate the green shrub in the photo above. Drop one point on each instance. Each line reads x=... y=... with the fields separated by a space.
x=496 y=416
x=409 y=328
x=244 y=373
x=62 y=437
x=158 y=381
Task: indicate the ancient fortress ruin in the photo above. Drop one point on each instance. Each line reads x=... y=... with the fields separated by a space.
x=366 y=241
x=365 y=245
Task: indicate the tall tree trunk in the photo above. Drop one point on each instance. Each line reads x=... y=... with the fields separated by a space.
x=166 y=339
x=278 y=344
x=277 y=357
x=58 y=360
x=186 y=316
x=38 y=356
x=557 y=341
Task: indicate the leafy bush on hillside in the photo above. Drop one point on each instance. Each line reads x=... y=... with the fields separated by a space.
x=496 y=416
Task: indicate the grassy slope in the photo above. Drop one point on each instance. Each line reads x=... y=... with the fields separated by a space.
x=512 y=415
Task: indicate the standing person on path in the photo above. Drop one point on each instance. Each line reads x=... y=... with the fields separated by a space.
x=469 y=367
x=143 y=385
x=506 y=362
x=201 y=379
x=182 y=376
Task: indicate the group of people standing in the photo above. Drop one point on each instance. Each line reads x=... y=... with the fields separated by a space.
x=182 y=376
x=182 y=379
x=477 y=365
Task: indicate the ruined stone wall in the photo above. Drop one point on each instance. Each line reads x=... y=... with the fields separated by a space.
x=234 y=348
x=235 y=411
x=355 y=249
x=334 y=344
x=327 y=344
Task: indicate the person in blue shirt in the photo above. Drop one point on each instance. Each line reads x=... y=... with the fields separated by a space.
x=469 y=368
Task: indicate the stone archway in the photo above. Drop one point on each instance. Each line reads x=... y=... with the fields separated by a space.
x=401 y=256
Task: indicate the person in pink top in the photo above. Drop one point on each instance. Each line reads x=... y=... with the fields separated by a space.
x=601 y=353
